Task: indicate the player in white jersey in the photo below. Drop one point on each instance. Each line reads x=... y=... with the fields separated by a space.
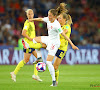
x=52 y=40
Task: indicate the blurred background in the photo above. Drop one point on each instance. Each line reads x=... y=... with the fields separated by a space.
x=85 y=15
x=85 y=29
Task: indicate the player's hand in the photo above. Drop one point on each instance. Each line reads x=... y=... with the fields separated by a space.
x=30 y=20
x=75 y=47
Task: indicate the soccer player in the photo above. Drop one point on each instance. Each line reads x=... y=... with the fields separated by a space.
x=65 y=22
x=52 y=40
x=29 y=33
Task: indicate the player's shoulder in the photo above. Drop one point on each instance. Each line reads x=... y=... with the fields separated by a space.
x=26 y=21
x=66 y=26
x=57 y=23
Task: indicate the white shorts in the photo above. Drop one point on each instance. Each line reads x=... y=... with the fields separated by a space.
x=51 y=46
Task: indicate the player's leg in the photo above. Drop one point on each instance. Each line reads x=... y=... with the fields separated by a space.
x=35 y=76
x=52 y=49
x=35 y=71
x=20 y=65
x=36 y=43
x=40 y=40
x=32 y=45
x=56 y=65
x=51 y=68
x=59 y=56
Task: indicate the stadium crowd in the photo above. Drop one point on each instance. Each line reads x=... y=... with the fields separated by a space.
x=85 y=15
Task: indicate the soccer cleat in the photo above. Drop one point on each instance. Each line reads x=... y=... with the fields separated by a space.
x=36 y=78
x=38 y=60
x=53 y=84
x=25 y=44
x=13 y=76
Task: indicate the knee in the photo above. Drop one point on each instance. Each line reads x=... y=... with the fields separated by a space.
x=43 y=45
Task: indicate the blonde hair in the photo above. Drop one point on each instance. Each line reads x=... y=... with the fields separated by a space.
x=61 y=9
x=28 y=10
x=68 y=18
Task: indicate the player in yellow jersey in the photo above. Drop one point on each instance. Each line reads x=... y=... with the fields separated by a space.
x=28 y=32
x=65 y=22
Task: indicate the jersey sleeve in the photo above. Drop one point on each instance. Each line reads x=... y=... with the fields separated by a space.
x=26 y=26
x=68 y=28
x=46 y=19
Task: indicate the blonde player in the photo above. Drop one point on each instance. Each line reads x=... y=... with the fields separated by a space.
x=52 y=40
x=65 y=22
x=29 y=33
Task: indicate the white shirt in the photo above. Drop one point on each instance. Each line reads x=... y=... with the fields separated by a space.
x=54 y=29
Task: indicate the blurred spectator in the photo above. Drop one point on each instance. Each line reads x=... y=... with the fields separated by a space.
x=2 y=9
x=85 y=15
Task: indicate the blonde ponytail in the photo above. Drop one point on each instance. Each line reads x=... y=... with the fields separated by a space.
x=69 y=20
x=61 y=9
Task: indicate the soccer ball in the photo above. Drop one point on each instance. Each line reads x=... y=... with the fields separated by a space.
x=41 y=66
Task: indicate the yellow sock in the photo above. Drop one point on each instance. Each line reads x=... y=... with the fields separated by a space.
x=56 y=74
x=20 y=64
x=35 y=45
x=35 y=70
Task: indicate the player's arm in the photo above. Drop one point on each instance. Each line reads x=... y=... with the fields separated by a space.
x=25 y=35
x=36 y=19
x=73 y=46
x=65 y=31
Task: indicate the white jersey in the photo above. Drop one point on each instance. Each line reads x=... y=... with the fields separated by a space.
x=54 y=29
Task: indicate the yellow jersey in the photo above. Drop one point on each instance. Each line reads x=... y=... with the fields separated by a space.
x=30 y=27
x=63 y=41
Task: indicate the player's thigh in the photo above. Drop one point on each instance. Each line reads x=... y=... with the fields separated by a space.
x=27 y=54
x=34 y=53
x=60 y=54
x=51 y=53
x=44 y=39
x=27 y=57
x=57 y=63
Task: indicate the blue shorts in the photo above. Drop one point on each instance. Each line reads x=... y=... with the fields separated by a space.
x=29 y=50
x=60 y=54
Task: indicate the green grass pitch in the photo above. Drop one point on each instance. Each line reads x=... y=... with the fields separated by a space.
x=75 y=77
